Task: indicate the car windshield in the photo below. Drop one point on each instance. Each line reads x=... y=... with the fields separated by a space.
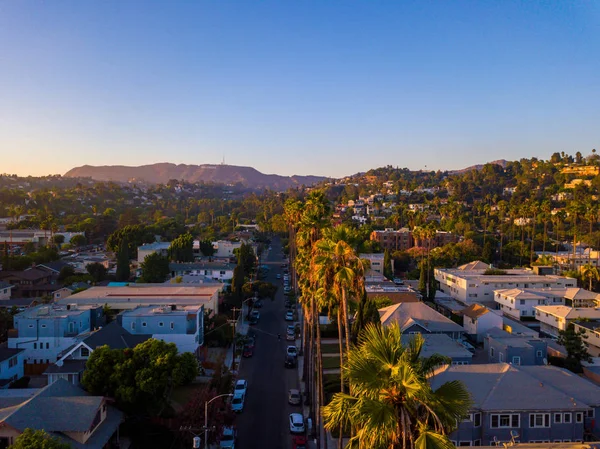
x=240 y=387
x=227 y=437
x=237 y=400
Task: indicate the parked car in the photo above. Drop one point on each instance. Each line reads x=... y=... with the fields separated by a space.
x=278 y=276
x=228 y=438
x=290 y=333
x=294 y=397
x=254 y=317
x=250 y=342
x=237 y=403
x=248 y=351
x=296 y=423
x=299 y=442
x=292 y=350
x=289 y=316
x=290 y=361
x=240 y=386
x=257 y=304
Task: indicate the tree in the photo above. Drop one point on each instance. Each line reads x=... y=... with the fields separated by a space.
x=97 y=271
x=423 y=281
x=140 y=379
x=78 y=240
x=58 y=239
x=155 y=269
x=388 y=272
x=246 y=258
x=391 y=403
x=65 y=272
x=206 y=248
x=182 y=249
x=574 y=343
x=38 y=439
x=123 y=271
x=590 y=273
x=237 y=282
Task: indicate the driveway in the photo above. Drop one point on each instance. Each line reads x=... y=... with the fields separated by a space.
x=264 y=422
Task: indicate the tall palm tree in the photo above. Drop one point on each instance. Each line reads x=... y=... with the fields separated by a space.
x=591 y=273
x=546 y=209
x=391 y=404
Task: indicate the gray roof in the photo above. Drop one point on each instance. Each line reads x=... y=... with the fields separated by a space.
x=7 y=353
x=440 y=344
x=4 y=285
x=500 y=387
x=67 y=367
x=54 y=266
x=407 y=314
x=115 y=336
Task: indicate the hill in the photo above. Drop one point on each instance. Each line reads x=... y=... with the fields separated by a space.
x=219 y=174
x=501 y=162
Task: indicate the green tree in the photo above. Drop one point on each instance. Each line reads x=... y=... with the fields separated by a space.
x=182 y=249
x=66 y=272
x=391 y=404
x=38 y=439
x=246 y=258
x=78 y=240
x=388 y=272
x=591 y=274
x=58 y=239
x=97 y=271
x=140 y=379
x=237 y=282
x=574 y=343
x=155 y=268
x=423 y=287
x=206 y=248
x=123 y=271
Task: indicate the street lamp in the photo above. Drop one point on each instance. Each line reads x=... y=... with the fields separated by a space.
x=206 y=417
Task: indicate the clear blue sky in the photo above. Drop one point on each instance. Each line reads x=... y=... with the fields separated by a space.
x=296 y=86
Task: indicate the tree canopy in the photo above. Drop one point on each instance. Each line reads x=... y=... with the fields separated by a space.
x=38 y=439
x=155 y=268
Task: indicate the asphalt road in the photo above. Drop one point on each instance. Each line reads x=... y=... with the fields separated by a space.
x=264 y=422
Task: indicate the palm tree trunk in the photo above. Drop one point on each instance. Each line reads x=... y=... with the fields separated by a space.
x=545 y=235
x=339 y=325
x=320 y=394
x=574 y=240
x=345 y=312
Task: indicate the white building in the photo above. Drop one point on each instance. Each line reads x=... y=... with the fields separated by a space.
x=225 y=248
x=218 y=271
x=376 y=268
x=469 y=283
x=517 y=303
x=557 y=318
x=478 y=320
x=5 y=290
x=161 y=248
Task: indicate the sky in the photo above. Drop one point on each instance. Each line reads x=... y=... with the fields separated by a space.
x=322 y=87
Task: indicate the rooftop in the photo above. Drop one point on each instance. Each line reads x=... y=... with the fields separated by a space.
x=570 y=313
x=161 y=310
x=407 y=314
x=183 y=266
x=7 y=353
x=440 y=344
x=475 y=311
x=156 y=246
x=54 y=311
x=4 y=285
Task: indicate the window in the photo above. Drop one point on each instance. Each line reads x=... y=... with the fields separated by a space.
x=85 y=352
x=568 y=418
x=516 y=360
x=43 y=326
x=464 y=443
x=477 y=443
x=35 y=346
x=590 y=413
x=538 y=353
x=539 y=420
x=172 y=325
x=144 y=324
x=161 y=324
x=505 y=421
x=47 y=345
x=491 y=352
x=522 y=302
x=501 y=357
x=579 y=417
x=12 y=362
x=30 y=326
x=477 y=421
x=133 y=325
x=557 y=418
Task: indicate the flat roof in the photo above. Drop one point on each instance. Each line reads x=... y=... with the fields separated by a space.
x=54 y=311
x=161 y=310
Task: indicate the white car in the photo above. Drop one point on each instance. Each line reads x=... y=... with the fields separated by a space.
x=228 y=438
x=237 y=403
x=290 y=333
x=294 y=397
x=296 y=423
x=240 y=387
x=289 y=316
x=292 y=351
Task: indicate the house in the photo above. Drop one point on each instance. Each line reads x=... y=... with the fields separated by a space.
x=11 y=365
x=443 y=345
x=5 y=290
x=501 y=346
x=419 y=318
x=478 y=319
x=376 y=263
x=53 y=267
x=521 y=303
x=527 y=403
x=469 y=283
x=71 y=362
x=580 y=297
x=591 y=329
x=64 y=411
x=30 y=283
x=219 y=271
x=161 y=248
x=183 y=326
x=130 y=296
x=45 y=331
x=225 y=248
x=556 y=318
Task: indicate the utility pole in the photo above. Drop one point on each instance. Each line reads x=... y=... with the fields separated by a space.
x=234 y=322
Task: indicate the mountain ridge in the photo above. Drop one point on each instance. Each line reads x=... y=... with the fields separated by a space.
x=162 y=172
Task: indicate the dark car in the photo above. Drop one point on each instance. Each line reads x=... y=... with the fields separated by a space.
x=250 y=342
x=290 y=361
x=254 y=317
x=257 y=304
x=248 y=351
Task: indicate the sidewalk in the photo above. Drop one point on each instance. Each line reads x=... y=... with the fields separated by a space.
x=240 y=329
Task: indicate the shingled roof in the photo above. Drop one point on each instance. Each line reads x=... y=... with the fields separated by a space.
x=114 y=336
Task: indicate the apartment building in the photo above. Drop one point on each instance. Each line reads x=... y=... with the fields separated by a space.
x=518 y=303
x=45 y=331
x=470 y=284
x=219 y=271
x=554 y=319
x=376 y=263
x=527 y=404
x=393 y=240
x=183 y=326
x=161 y=248
x=501 y=346
x=478 y=320
x=591 y=329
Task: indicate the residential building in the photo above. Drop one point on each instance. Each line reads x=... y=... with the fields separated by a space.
x=11 y=365
x=64 y=411
x=161 y=248
x=395 y=293
x=469 y=283
x=518 y=302
x=419 y=318
x=219 y=271
x=393 y=240
x=5 y=290
x=30 y=283
x=127 y=297
x=376 y=263
x=501 y=346
x=45 y=331
x=53 y=267
x=556 y=318
x=71 y=362
x=225 y=248
x=591 y=329
x=183 y=326
x=444 y=345
x=478 y=320
x=524 y=403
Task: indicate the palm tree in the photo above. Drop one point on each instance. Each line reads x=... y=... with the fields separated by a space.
x=591 y=273
x=546 y=208
x=391 y=404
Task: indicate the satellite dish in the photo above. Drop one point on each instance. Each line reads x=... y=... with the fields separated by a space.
x=545 y=361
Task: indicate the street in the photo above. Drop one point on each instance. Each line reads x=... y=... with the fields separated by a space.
x=264 y=422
